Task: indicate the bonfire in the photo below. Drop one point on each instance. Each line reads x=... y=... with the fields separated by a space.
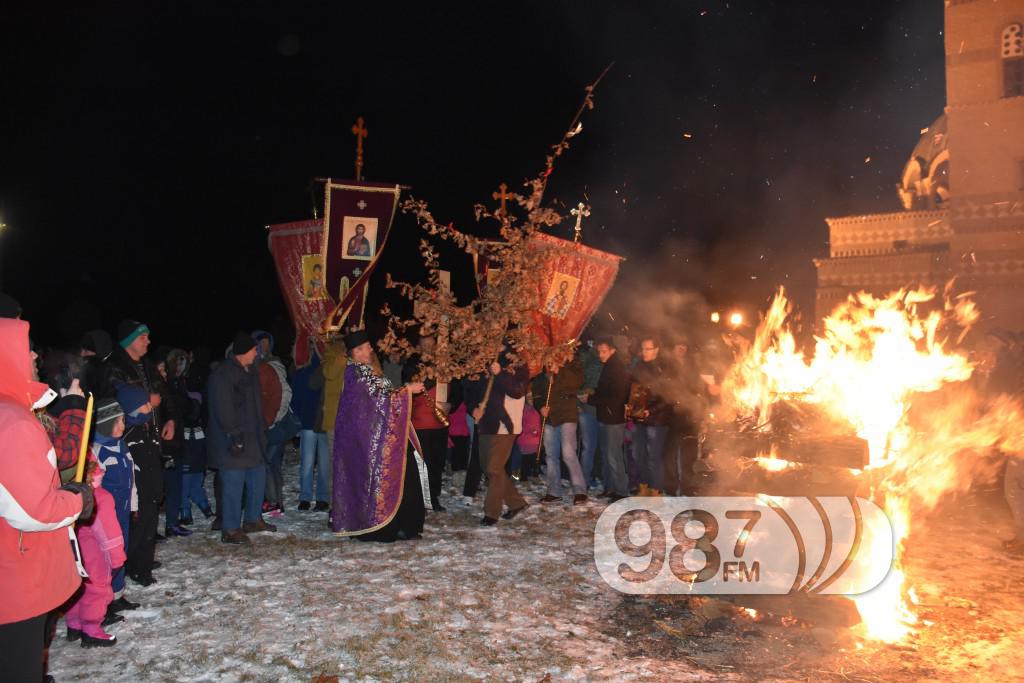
x=893 y=372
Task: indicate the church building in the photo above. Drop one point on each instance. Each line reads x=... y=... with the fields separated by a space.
x=962 y=190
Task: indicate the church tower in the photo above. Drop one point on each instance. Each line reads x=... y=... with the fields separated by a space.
x=985 y=118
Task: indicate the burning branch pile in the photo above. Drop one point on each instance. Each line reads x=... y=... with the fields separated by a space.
x=889 y=370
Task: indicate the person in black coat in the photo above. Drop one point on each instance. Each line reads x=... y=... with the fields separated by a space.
x=131 y=364
x=652 y=374
x=609 y=400
x=144 y=446
x=238 y=441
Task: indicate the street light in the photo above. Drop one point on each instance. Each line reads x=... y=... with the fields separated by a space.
x=735 y=319
x=716 y=317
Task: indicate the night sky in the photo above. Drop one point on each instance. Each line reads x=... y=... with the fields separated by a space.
x=144 y=146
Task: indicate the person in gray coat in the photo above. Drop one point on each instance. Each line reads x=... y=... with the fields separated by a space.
x=238 y=441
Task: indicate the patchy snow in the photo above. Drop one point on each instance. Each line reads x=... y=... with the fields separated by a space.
x=514 y=602
x=521 y=601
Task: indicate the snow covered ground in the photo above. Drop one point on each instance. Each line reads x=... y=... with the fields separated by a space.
x=520 y=601
x=516 y=602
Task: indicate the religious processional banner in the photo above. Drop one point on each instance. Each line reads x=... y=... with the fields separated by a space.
x=574 y=281
x=357 y=221
x=295 y=248
x=324 y=266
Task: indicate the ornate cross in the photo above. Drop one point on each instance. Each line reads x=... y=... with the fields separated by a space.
x=361 y=204
x=359 y=130
x=580 y=212
x=501 y=196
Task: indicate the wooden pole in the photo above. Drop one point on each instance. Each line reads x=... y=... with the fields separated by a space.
x=84 y=446
x=547 y=404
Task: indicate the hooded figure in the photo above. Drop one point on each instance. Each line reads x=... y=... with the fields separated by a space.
x=36 y=561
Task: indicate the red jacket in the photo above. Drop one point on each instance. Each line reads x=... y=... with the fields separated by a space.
x=37 y=570
x=423 y=415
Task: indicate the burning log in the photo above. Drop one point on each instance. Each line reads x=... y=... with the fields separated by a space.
x=805 y=446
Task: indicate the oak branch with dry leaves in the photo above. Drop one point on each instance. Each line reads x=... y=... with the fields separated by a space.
x=471 y=337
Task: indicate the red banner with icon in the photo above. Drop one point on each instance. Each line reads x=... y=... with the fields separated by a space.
x=324 y=266
x=356 y=225
x=574 y=281
x=295 y=248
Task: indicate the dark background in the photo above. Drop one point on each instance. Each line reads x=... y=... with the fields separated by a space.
x=144 y=146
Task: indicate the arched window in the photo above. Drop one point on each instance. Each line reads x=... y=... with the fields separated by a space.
x=1012 y=49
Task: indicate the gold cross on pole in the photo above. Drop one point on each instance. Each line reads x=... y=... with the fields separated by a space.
x=359 y=130
x=580 y=211
x=502 y=196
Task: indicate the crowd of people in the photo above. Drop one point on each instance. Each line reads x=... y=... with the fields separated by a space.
x=375 y=443
x=80 y=505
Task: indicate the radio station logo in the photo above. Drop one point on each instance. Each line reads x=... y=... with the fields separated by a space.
x=743 y=545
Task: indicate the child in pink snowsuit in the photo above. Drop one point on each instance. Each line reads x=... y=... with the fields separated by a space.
x=102 y=548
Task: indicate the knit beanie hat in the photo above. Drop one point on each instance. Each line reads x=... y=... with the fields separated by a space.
x=107 y=412
x=131 y=397
x=242 y=344
x=128 y=331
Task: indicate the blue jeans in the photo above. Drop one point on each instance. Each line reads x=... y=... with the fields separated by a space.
x=313 y=453
x=252 y=480
x=193 y=491
x=649 y=447
x=560 y=444
x=589 y=434
x=615 y=480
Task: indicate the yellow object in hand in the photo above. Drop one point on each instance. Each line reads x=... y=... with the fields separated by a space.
x=84 y=446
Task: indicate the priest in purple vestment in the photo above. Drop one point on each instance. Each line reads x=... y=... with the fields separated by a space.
x=377 y=484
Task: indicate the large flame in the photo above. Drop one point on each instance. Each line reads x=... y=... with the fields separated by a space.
x=880 y=368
